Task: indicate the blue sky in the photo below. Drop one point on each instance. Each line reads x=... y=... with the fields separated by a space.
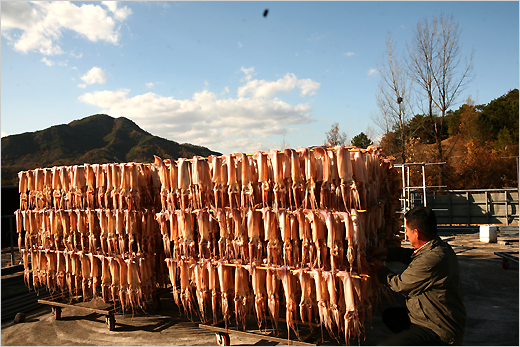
x=220 y=74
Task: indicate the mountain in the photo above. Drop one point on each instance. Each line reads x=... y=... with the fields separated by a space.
x=97 y=139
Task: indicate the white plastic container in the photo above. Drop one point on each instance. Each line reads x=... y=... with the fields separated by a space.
x=488 y=233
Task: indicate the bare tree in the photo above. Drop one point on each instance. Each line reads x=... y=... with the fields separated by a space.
x=370 y=133
x=334 y=137
x=448 y=81
x=420 y=61
x=434 y=64
x=393 y=98
x=284 y=144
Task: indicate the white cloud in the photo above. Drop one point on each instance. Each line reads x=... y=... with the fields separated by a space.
x=249 y=72
x=4 y=134
x=47 y=61
x=240 y=44
x=38 y=26
x=82 y=86
x=76 y=55
x=225 y=91
x=372 y=72
x=349 y=54
x=95 y=75
x=149 y=85
x=120 y=13
x=223 y=124
x=286 y=84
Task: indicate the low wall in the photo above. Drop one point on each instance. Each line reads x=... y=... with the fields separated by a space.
x=471 y=207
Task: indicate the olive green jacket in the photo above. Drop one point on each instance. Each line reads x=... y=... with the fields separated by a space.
x=431 y=286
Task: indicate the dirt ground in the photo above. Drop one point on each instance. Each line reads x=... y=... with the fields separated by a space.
x=491 y=297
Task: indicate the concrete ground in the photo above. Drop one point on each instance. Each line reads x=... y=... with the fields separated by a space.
x=491 y=296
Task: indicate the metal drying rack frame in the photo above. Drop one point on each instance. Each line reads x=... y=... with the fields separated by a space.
x=308 y=331
x=59 y=300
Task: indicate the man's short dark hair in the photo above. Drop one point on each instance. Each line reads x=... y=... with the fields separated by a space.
x=423 y=219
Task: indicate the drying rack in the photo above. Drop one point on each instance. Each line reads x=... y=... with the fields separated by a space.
x=60 y=300
x=310 y=333
x=307 y=336
x=57 y=301
x=506 y=257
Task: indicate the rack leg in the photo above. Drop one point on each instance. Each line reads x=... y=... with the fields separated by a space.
x=505 y=263
x=111 y=321
x=157 y=302
x=56 y=312
x=222 y=339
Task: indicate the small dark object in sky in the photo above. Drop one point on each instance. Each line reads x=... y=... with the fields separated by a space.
x=265 y=12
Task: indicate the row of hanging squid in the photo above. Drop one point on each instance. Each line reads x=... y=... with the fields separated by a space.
x=300 y=238
x=339 y=301
x=253 y=232
x=224 y=231
x=250 y=261
x=107 y=253
x=129 y=186
x=100 y=231
x=339 y=178
x=89 y=230
x=131 y=280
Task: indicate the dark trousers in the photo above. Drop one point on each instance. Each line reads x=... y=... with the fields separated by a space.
x=406 y=333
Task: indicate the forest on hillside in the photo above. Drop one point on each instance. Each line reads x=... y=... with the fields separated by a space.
x=480 y=145
x=421 y=83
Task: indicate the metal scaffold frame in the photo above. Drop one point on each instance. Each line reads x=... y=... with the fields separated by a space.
x=405 y=195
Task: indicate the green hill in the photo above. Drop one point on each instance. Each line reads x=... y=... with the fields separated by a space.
x=479 y=145
x=96 y=139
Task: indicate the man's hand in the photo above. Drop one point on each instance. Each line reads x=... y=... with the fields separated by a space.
x=375 y=264
x=376 y=256
x=377 y=252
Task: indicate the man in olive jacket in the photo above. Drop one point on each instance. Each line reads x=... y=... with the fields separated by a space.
x=434 y=313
